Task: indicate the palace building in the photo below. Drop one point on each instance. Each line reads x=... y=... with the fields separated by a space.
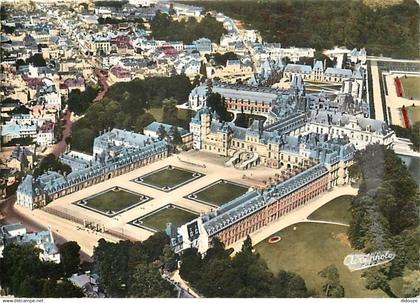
x=115 y=152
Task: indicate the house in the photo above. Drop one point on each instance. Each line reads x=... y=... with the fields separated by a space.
x=153 y=130
x=43 y=240
x=21 y=158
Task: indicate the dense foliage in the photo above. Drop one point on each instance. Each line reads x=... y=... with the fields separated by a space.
x=412 y=133
x=36 y=60
x=391 y=31
x=165 y=28
x=244 y=275
x=125 y=105
x=221 y=59
x=128 y=269
x=23 y=274
x=78 y=102
x=217 y=104
x=51 y=163
x=385 y=214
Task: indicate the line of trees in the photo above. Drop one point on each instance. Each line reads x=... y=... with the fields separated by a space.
x=385 y=215
x=390 y=30
x=244 y=275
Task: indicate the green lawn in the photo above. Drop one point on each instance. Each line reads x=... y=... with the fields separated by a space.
x=157 y=113
x=411 y=86
x=168 y=177
x=174 y=215
x=221 y=193
x=113 y=200
x=309 y=249
x=337 y=210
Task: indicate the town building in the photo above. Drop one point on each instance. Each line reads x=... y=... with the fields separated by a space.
x=43 y=240
x=115 y=152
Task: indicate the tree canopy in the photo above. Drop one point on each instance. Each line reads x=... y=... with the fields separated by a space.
x=23 y=274
x=128 y=269
x=165 y=28
x=389 y=30
x=51 y=162
x=78 y=102
x=385 y=213
x=244 y=275
x=125 y=106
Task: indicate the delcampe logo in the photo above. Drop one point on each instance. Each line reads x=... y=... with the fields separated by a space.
x=357 y=261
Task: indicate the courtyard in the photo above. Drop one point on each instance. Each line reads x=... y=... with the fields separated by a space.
x=168 y=178
x=218 y=193
x=113 y=201
x=157 y=220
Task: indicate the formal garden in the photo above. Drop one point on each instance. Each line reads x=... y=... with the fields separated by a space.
x=168 y=178
x=113 y=201
x=157 y=220
x=218 y=193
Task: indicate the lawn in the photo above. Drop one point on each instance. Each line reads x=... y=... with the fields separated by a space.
x=157 y=113
x=337 y=210
x=411 y=86
x=113 y=201
x=174 y=215
x=168 y=178
x=219 y=192
x=309 y=249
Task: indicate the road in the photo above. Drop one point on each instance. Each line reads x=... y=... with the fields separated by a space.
x=102 y=80
x=61 y=146
x=10 y=214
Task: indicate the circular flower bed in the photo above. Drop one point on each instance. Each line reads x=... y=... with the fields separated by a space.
x=274 y=239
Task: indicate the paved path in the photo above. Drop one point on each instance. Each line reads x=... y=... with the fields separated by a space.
x=325 y=222
x=298 y=215
x=377 y=98
x=11 y=215
x=181 y=283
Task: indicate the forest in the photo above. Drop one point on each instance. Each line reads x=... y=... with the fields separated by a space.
x=385 y=216
x=389 y=30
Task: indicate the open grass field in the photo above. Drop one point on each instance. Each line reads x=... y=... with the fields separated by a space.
x=219 y=192
x=112 y=201
x=174 y=215
x=336 y=210
x=168 y=178
x=411 y=86
x=309 y=249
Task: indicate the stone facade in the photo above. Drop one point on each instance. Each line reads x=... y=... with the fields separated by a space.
x=115 y=152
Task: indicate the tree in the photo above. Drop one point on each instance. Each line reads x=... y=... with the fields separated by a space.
x=332 y=286
x=289 y=285
x=146 y=282
x=191 y=264
x=78 y=102
x=176 y=136
x=70 y=257
x=217 y=104
x=51 y=163
x=169 y=112
x=36 y=60
x=411 y=284
x=162 y=133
